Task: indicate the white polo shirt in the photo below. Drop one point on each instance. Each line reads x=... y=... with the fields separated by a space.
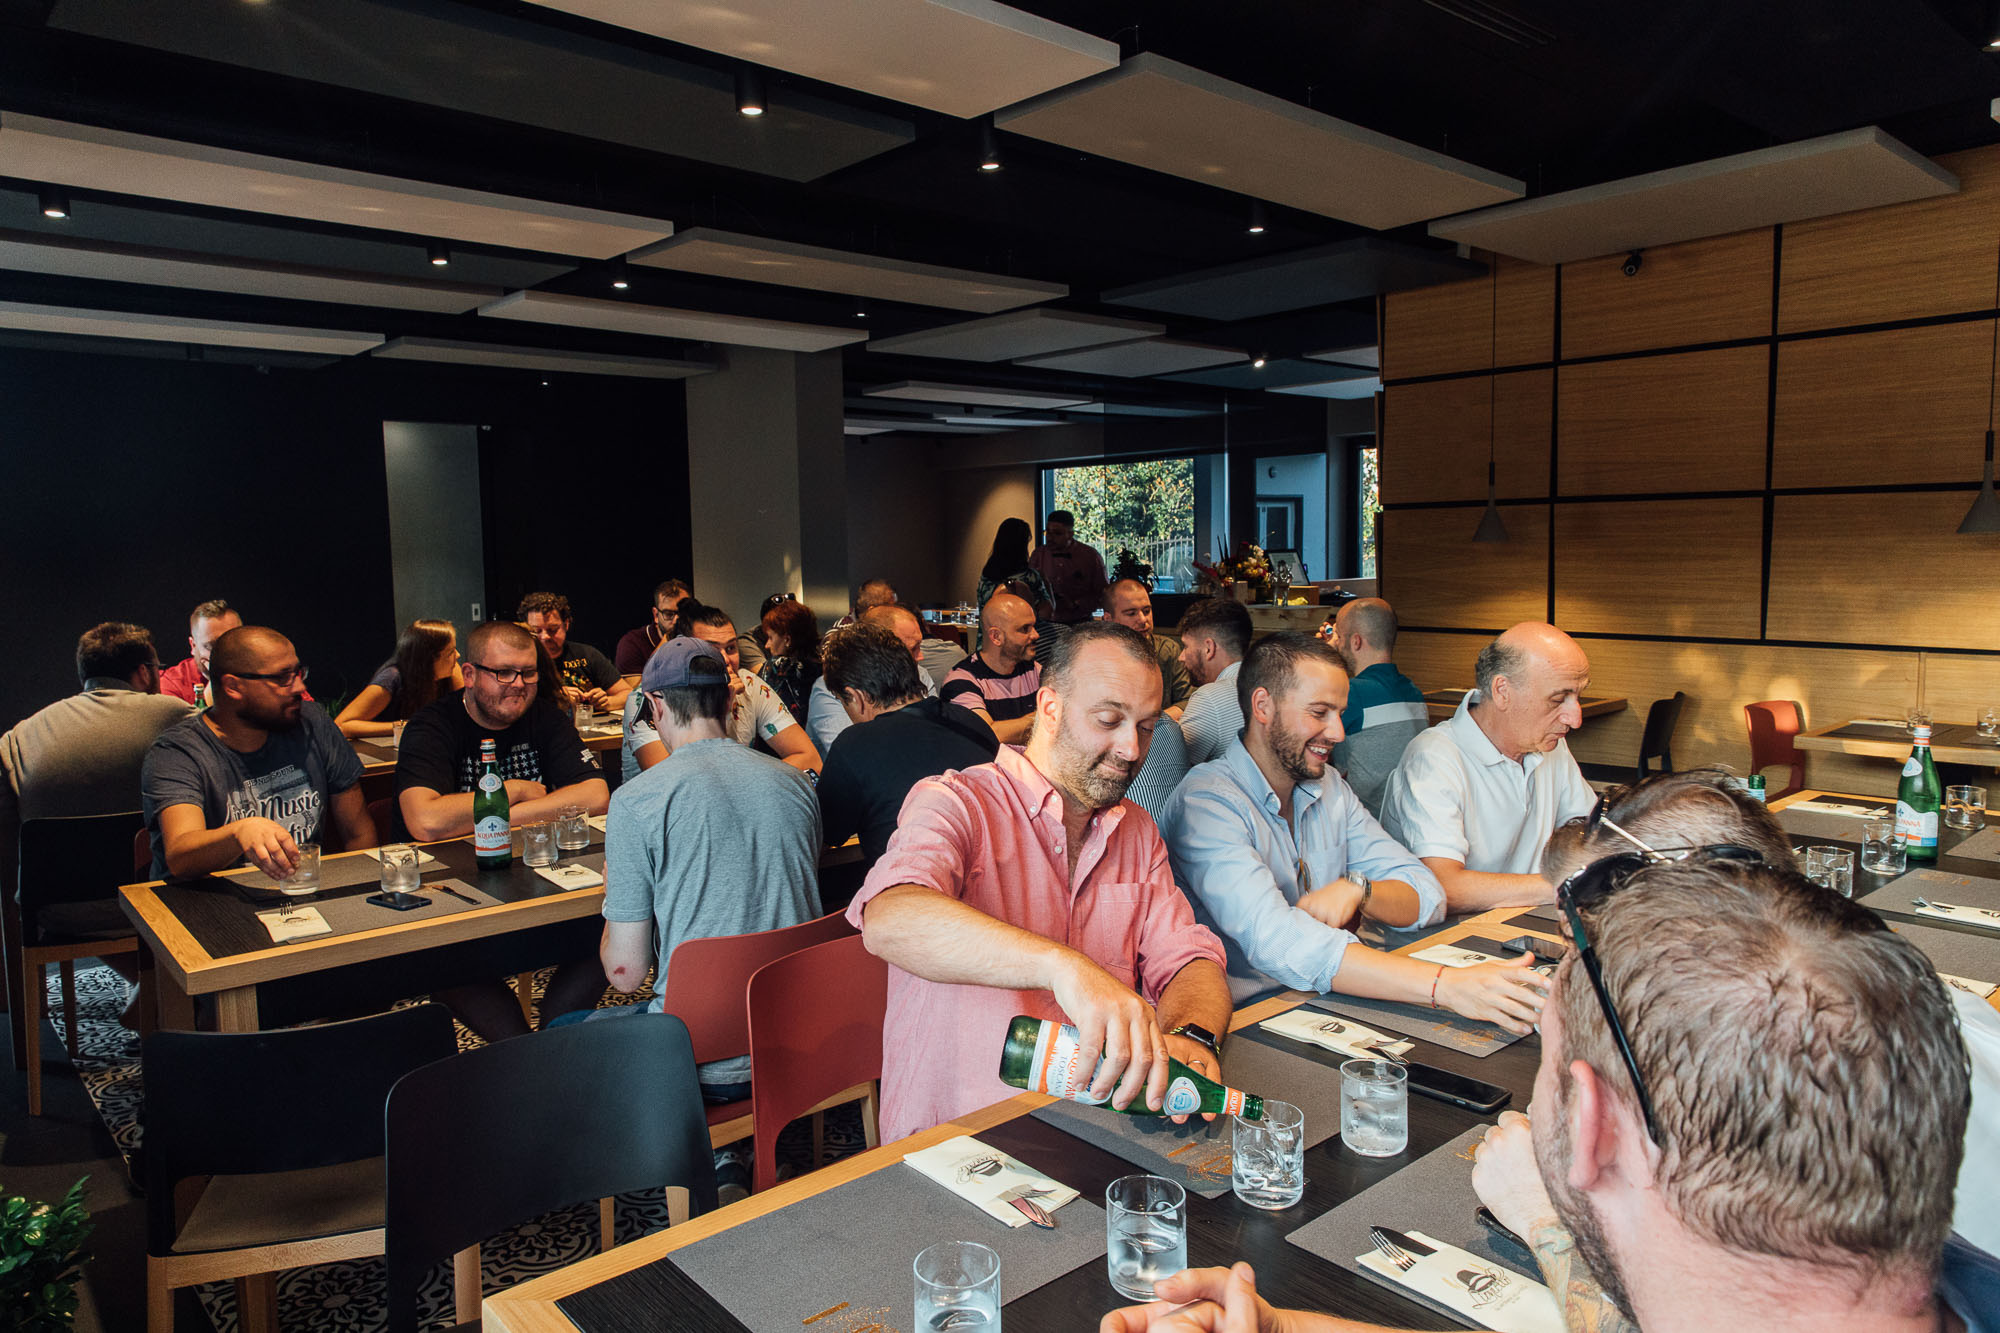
x=1454 y=795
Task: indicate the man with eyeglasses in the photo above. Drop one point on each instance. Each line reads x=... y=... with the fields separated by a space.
x=263 y=770
x=636 y=645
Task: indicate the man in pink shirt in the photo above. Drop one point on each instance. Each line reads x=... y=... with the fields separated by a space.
x=1030 y=886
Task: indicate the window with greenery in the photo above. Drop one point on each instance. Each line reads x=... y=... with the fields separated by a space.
x=1369 y=495
x=1145 y=508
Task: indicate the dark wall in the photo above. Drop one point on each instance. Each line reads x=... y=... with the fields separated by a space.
x=133 y=488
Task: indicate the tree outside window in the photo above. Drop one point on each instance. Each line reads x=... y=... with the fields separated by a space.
x=1146 y=508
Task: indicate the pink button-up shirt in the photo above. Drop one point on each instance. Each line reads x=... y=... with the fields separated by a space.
x=993 y=838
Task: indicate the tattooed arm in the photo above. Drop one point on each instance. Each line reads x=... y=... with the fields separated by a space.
x=1585 y=1307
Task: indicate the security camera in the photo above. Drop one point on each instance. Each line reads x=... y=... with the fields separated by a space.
x=1630 y=268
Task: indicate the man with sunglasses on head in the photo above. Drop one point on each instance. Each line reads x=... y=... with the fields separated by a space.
x=263 y=770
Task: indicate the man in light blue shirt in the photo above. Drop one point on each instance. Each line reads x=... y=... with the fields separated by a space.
x=1278 y=855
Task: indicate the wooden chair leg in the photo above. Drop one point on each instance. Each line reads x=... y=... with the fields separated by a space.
x=524 y=989
x=159 y=1299
x=465 y=1290
x=257 y=1303
x=607 y=1223
x=67 y=970
x=871 y=1105
x=36 y=995
x=819 y=1139
x=679 y=1204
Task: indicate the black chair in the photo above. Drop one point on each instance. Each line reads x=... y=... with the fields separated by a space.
x=63 y=863
x=1658 y=740
x=287 y=1127
x=509 y=1132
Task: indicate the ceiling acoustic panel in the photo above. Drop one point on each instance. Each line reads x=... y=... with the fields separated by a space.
x=455 y=352
x=1362 y=388
x=1322 y=275
x=726 y=254
x=1370 y=356
x=972 y=395
x=1837 y=173
x=1276 y=372
x=1169 y=117
x=1024 y=333
x=1147 y=356
x=180 y=329
x=85 y=157
x=590 y=312
x=163 y=268
x=963 y=58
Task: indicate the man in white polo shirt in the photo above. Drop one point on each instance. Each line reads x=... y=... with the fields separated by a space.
x=1477 y=797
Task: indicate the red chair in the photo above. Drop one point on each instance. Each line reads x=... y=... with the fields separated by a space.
x=706 y=985
x=1773 y=723
x=815 y=1042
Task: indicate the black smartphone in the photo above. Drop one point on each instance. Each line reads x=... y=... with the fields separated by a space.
x=1545 y=951
x=1444 y=1086
x=400 y=902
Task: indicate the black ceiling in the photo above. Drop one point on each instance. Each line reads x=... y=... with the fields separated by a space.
x=521 y=99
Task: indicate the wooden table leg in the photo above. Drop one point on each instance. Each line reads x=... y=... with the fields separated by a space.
x=171 y=1006
x=236 y=1010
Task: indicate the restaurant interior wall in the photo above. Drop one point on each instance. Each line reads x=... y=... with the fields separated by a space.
x=1737 y=472
x=137 y=487
x=894 y=503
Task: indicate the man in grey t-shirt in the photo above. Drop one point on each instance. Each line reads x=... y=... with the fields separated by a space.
x=713 y=840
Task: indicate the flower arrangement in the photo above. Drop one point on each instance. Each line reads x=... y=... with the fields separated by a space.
x=1250 y=567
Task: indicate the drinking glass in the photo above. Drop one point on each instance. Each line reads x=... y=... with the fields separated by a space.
x=1831 y=868
x=1375 y=1107
x=538 y=844
x=399 y=868
x=1965 y=808
x=958 y=1287
x=586 y=716
x=572 y=829
x=303 y=882
x=396 y=734
x=1989 y=723
x=1145 y=1220
x=1917 y=716
x=1268 y=1157
x=1882 y=849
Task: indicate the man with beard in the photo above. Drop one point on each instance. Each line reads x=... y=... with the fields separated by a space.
x=1282 y=861
x=263 y=770
x=1030 y=886
x=1130 y=604
x=1784 y=1158
x=999 y=681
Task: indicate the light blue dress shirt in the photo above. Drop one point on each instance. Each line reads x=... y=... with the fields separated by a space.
x=1239 y=863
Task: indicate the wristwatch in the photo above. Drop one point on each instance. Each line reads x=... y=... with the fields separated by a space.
x=1367 y=892
x=1199 y=1035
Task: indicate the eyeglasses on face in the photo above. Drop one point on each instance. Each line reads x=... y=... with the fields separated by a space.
x=294 y=672
x=508 y=675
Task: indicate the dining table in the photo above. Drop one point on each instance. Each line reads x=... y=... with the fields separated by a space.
x=1891 y=738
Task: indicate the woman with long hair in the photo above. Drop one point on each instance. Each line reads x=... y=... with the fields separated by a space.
x=425 y=666
x=791 y=653
x=1007 y=570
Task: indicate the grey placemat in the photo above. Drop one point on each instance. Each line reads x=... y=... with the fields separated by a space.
x=1196 y=1155
x=1433 y=1195
x=354 y=912
x=1981 y=846
x=1546 y=918
x=335 y=872
x=1964 y=890
x=1441 y=1027
x=1873 y=731
x=1963 y=953
x=1819 y=825
x=854 y=1246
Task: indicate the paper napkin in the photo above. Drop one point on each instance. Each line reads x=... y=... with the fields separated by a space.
x=425 y=860
x=571 y=876
x=986 y=1178
x=1489 y=1295
x=597 y=822
x=295 y=923
x=1985 y=917
x=1342 y=1035
x=1982 y=989
x=1838 y=808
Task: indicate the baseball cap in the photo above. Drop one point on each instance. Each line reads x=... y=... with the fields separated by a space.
x=682 y=662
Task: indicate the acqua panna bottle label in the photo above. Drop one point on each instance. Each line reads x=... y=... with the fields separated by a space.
x=1183 y=1098
x=1058 y=1066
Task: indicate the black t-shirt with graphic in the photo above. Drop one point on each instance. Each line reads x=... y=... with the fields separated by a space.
x=440 y=750
x=582 y=667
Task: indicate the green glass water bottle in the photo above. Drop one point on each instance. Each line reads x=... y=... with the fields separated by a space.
x=1918 y=799
x=492 y=835
x=1041 y=1055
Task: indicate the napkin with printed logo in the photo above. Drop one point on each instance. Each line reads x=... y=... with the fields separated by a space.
x=570 y=876
x=989 y=1179
x=1444 y=1275
x=294 y=923
x=1342 y=1035
x=1985 y=917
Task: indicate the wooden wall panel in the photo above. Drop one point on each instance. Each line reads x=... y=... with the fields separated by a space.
x=1714 y=290
x=1435 y=574
x=1956 y=686
x=1660 y=567
x=1452 y=326
x=1906 y=406
x=1693 y=421
x=1883 y=568
x=1904 y=261
x=1434 y=437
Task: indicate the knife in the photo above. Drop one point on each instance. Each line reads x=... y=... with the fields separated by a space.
x=454 y=893
x=1028 y=1208
x=1971 y=916
x=1415 y=1247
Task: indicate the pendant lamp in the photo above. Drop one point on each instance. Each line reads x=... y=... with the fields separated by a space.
x=1984 y=516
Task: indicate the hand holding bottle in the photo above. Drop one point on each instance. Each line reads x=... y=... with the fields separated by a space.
x=1119 y=1026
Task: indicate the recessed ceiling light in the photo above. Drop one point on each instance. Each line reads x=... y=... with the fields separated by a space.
x=55 y=203
x=750 y=91
x=439 y=253
x=1258 y=364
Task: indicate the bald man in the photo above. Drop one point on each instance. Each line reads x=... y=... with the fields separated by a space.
x=1130 y=604
x=1477 y=797
x=1385 y=709
x=999 y=681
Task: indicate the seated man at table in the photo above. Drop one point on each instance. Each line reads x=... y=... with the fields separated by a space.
x=545 y=767
x=1784 y=1160
x=586 y=675
x=826 y=717
x=1478 y=795
x=899 y=736
x=186 y=679
x=636 y=645
x=263 y=770
x=999 y=681
x=757 y=717
x=1385 y=709
x=1215 y=633
x=1030 y=886
x=1280 y=859
x=1130 y=604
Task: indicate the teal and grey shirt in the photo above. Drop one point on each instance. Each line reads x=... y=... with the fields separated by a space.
x=1385 y=712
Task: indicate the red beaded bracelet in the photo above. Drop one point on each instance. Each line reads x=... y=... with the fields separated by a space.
x=1434 y=985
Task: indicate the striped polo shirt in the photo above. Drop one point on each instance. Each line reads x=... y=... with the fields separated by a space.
x=1006 y=696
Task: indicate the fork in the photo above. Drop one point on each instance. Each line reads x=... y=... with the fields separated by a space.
x=1379 y=1049
x=1391 y=1251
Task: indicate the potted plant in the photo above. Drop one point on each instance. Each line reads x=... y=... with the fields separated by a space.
x=42 y=1252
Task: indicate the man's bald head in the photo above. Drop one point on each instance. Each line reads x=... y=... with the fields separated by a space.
x=900 y=621
x=1007 y=631
x=1364 y=633
x=1531 y=681
x=1128 y=602
x=873 y=593
x=248 y=649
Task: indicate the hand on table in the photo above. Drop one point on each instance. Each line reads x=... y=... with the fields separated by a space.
x=1509 y=993
x=1337 y=904
x=596 y=698
x=1202 y=1300
x=1198 y=1058
x=1507 y=1178
x=1113 y=1022
x=267 y=844
x=520 y=789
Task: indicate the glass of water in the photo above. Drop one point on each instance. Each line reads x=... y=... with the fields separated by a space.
x=1882 y=849
x=572 y=829
x=538 y=844
x=1965 y=808
x=1145 y=1219
x=1916 y=715
x=1375 y=1107
x=958 y=1286
x=303 y=882
x=399 y=868
x=1989 y=723
x=1831 y=868
x=1268 y=1157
